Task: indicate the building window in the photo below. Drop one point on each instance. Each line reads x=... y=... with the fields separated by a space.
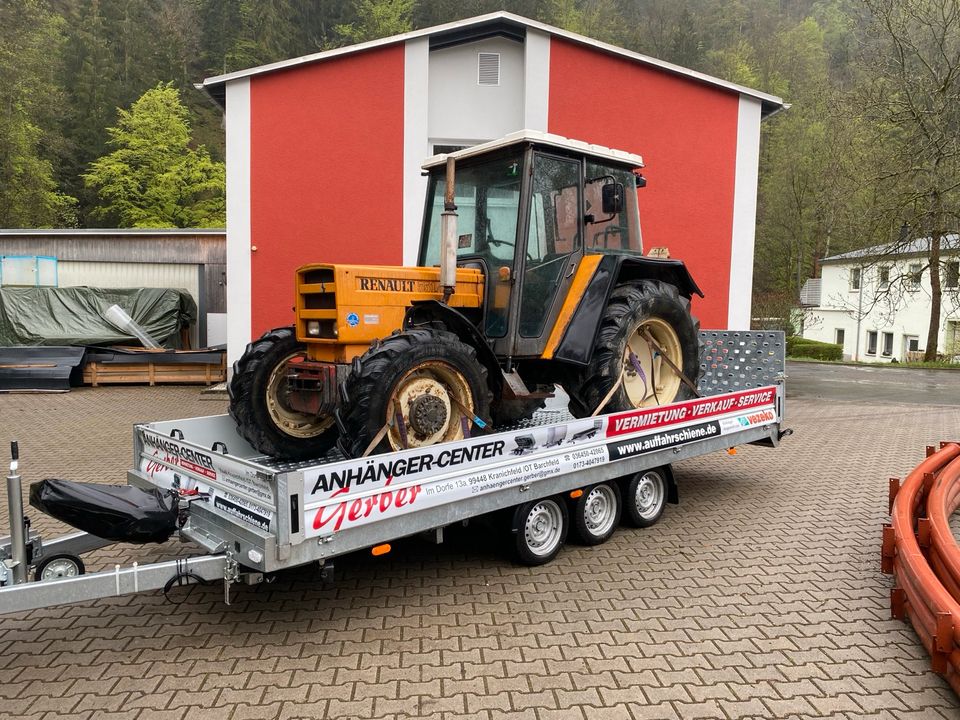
x=838 y=336
x=855 y=278
x=951 y=274
x=887 y=344
x=871 y=342
x=883 y=275
x=913 y=343
x=447 y=149
x=913 y=277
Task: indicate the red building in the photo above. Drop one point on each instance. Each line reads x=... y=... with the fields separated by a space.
x=324 y=151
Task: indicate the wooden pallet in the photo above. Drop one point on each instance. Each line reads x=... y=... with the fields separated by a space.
x=154 y=373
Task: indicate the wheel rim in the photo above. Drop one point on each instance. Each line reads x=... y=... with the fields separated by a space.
x=449 y=393
x=641 y=389
x=600 y=510
x=293 y=423
x=59 y=568
x=648 y=496
x=543 y=528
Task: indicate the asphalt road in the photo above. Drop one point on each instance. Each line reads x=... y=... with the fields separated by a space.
x=878 y=384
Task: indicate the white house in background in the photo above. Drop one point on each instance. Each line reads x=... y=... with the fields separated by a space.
x=876 y=303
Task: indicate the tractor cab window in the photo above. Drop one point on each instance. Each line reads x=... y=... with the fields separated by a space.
x=488 y=202
x=553 y=235
x=619 y=232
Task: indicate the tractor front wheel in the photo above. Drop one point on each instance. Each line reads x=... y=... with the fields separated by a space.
x=257 y=401
x=412 y=389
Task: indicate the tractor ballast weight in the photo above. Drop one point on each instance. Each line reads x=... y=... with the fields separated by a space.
x=531 y=274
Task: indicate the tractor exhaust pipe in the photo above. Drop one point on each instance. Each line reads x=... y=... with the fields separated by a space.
x=448 y=235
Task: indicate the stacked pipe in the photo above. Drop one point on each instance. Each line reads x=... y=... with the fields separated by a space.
x=921 y=552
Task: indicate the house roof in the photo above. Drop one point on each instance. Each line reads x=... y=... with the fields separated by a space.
x=540 y=138
x=495 y=24
x=916 y=246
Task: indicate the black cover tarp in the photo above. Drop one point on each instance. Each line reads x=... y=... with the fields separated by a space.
x=74 y=315
x=121 y=513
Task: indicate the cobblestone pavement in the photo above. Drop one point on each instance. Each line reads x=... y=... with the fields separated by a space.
x=758 y=596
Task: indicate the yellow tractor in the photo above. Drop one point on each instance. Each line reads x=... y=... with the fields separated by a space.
x=531 y=274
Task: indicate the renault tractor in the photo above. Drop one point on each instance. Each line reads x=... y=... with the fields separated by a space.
x=531 y=274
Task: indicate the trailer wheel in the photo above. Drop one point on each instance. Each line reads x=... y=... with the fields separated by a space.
x=59 y=566
x=540 y=527
x=646 y=498
x=596 y=514
x=258 y=407
x=425 y=385
x=646 y=305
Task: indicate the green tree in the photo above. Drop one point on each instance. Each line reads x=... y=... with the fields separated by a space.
x=154 y=178
x=29 y=105
x=377 y=19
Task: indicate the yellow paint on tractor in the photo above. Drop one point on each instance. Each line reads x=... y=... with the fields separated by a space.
x=588 y=266
x=357 y=304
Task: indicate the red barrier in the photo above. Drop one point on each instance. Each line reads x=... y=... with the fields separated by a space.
x=920 y=551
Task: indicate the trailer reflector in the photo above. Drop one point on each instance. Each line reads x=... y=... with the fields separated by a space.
x=576 y=493
x=381 y=549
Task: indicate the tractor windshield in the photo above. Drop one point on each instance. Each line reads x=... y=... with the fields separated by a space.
x=488 y=202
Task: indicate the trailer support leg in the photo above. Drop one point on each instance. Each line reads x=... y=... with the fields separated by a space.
x=18 y=542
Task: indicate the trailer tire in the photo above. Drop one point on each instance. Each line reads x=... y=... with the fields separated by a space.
x=596 y=513
x=540 y=529
x=658 y=307
x=59 y=566
x=645 y=498
x=410 y=365
x=261 y=417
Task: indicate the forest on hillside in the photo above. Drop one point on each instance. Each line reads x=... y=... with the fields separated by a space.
x=97 y=100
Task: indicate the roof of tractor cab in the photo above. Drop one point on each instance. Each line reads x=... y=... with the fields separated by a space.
x=536 y=137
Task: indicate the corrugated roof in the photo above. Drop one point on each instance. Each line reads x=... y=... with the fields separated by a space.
x=493 y=24
x=916 y=246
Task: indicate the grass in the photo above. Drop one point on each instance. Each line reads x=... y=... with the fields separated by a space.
x=935 y=365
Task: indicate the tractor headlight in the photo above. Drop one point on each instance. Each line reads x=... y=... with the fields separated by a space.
x=313 y=328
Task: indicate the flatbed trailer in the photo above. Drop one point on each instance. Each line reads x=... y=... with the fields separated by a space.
x=253 y=516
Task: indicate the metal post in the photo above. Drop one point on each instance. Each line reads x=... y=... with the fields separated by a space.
x=18 y=544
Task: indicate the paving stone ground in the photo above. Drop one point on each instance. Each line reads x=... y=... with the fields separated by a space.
x=759 y=596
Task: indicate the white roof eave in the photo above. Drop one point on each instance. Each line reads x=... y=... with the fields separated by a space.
x=773 y=100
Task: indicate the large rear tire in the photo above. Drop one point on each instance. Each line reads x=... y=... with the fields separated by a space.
x=428 y=377
x=658 y=308
x=257 y=403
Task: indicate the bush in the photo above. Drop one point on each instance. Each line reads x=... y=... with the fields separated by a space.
x=802 y=347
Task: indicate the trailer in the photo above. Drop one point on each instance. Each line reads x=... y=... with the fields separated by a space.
x=251 y=516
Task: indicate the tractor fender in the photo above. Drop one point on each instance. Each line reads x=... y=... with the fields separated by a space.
x=426 y=312
x=580 y=337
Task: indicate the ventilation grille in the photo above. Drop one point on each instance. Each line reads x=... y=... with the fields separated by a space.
x=488 y=68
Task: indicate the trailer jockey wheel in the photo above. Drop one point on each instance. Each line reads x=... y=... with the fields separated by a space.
x=596 y=514
x=540 y=528
x=59 y=566
x=646 y=497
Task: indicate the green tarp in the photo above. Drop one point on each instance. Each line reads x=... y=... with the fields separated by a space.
x=74 y=315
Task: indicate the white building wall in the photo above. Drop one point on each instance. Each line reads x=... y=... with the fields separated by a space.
x=463 y=112
x=901 y=311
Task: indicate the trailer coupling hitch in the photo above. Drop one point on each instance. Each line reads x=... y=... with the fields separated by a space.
x=184 y=499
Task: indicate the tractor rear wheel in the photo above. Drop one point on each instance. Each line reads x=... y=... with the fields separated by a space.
x=424 y=386
x=636 y=309
x=258 y=406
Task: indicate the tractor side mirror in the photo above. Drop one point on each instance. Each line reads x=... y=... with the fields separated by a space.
x=612 y=198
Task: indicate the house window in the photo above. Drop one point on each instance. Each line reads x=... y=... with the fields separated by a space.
x=871 y=342
x=951 y=274
x=913 y=277
x=447 y=149
x=912 y=344
x=855 y=278
x=887 y=344
x=838 y=336
x=883 y=275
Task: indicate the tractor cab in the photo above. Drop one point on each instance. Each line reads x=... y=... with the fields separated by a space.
x=532 y=208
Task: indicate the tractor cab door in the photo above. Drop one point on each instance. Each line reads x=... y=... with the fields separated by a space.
x=550 y=252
